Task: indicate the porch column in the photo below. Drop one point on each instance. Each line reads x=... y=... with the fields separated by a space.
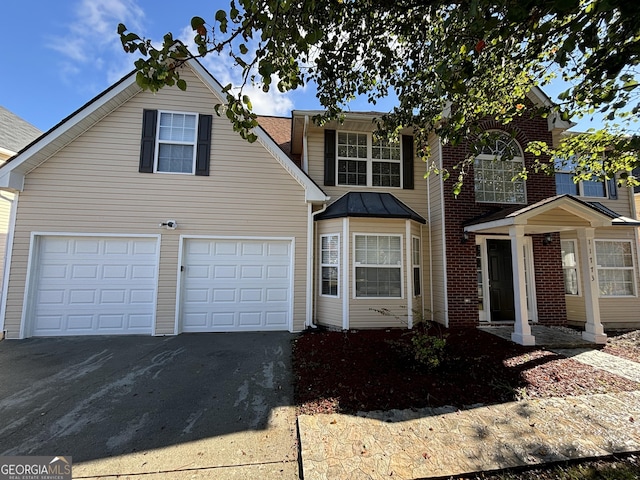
x=521 y=330
x=593 y=330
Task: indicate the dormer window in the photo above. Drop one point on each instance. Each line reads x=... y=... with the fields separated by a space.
x=496 y=170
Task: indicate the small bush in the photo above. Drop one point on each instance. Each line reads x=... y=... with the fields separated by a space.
x=428 y=350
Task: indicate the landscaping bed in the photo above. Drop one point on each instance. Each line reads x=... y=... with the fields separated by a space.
x=346 y=372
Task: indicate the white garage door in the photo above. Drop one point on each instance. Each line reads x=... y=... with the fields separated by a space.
x=236 y=285
x=94 y=286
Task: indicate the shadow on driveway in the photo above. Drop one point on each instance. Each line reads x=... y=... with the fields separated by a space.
x=98 y=397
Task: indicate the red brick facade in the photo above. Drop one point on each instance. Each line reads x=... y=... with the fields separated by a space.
x=461 y=257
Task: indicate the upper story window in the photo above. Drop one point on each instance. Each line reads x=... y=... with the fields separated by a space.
x=175 y=142
x=366 y=161
x=495 y=171
x=176 y=152
x=565 y=183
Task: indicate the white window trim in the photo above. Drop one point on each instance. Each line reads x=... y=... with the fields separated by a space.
x=336 y=265
x=576 y=268
x=369 y=160
x=158 y=142
x=356 y=264
x=520 y=159
x=418 y=265
x=632 y=268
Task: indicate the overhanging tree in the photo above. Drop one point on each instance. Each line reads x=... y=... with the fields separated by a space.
x=449 y=64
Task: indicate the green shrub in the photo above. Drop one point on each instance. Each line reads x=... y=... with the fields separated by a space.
x=428 y=350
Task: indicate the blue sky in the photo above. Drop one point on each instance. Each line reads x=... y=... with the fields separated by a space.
x=60 y=54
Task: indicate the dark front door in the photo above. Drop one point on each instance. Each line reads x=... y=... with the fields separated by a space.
x=500 y=280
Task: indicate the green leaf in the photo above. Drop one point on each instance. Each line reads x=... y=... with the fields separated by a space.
x=181 y=84
x=197 y=22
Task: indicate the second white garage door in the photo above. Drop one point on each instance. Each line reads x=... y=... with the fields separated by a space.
x=236 y=285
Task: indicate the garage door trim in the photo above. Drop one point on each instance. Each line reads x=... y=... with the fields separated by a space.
x=28 y=306
x=181 y=257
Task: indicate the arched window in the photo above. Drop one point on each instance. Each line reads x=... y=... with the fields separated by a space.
x=495 y=169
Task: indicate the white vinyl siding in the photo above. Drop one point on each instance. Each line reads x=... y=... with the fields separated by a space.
x=615 y=267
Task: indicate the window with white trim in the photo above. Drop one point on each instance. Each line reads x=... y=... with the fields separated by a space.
x=616 y=272
x=367 y=161
x=378 y=266
x=570 y=266
x=176 y=140
x=329 y=264
x=417 y=277
x=495 y=171
x=566 y=184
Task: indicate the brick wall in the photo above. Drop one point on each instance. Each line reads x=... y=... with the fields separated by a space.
x=461 y=257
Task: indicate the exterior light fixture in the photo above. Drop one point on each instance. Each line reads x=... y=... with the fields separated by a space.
x=547 y=239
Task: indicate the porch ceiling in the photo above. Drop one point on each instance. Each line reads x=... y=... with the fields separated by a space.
x=553 y=214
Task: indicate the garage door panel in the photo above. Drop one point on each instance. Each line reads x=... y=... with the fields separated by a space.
x=93 y=286
x=248 y=284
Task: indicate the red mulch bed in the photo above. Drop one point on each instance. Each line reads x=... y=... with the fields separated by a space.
x=625 y=344
x=374 y=370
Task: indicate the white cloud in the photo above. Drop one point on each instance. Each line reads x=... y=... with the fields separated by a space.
x=225 y=71
x=91 y=40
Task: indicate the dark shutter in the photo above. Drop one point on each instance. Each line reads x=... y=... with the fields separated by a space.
x=330 y=157
x=147 y=146
x=407 y=162
x=613 y=189
x=203 y=152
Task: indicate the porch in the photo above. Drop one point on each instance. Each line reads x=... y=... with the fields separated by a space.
x=549 y=337
x=512 y=229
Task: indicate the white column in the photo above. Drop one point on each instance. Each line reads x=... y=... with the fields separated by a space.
x=521 y=330
x=593 y=330
x=345 y=274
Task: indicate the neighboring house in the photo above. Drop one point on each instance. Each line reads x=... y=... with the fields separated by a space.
x=15 y=134
x=146 y=213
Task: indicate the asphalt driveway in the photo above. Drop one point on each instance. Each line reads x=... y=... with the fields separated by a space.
x=190 y=406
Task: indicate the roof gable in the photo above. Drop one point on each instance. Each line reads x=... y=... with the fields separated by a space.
x=12 y=174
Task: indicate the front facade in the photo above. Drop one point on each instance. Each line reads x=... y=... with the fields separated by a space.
x=147 y=214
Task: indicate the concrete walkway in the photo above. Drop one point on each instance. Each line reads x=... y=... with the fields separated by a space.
x=427 y=443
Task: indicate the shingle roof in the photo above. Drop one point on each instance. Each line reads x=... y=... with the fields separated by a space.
x=15 y=133
x=369 y=204
x=279 y=129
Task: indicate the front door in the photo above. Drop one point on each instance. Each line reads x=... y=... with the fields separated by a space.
x=500 y=280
